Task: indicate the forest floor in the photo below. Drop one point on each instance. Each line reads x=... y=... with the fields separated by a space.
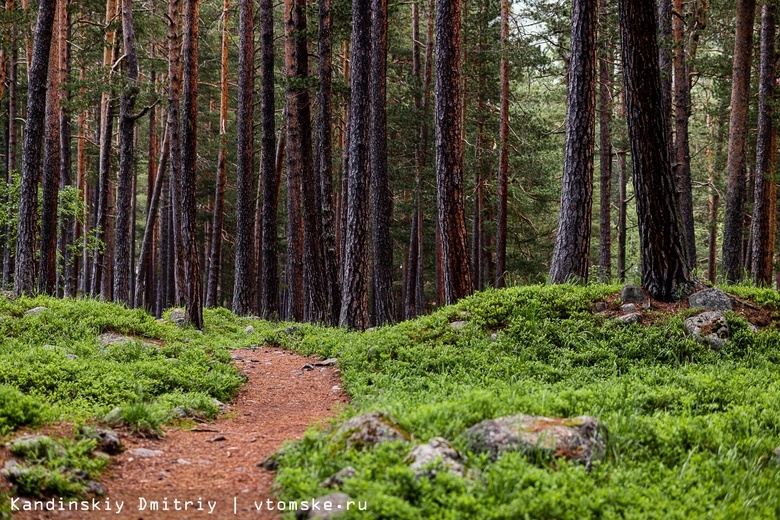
x=214 y=465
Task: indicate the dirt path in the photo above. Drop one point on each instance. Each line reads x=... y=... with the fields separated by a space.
x=216 y=468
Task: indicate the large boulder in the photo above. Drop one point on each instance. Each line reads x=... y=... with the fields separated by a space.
x=711 y=299
x=581 y=439
x=426 y=459
x=709 y=328
x=367 y=430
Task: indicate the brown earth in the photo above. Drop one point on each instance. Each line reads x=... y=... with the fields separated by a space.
x=217 y=462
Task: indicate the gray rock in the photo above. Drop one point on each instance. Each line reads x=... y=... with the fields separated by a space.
x=96 y=488
x=601 y=306
x=457 y=325
x=108 y=440
x=632 y=294
x=580 y=439
x=709 y=328
x=114 y=416
x=34 y=447
x=367 y=430
x=629 y=308
x=326 y=363
x=427 y=459
x=13 y=471
x=35 y=311
x=338 y=478
x=711 y=299
x=628 y=319
x=249 y=330
x=146 y=453
x=72 y=357
x=308 y=366
x=327 y=507
x=177 y=317
x=8 y=295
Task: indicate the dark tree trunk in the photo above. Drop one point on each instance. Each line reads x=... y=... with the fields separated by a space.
x=164 y=250
x=324 y=161
x=622 y=210
x=175 y=156
x=503 y=149
x=449 y=153
x=665 y=272
x=354 y=307
x=10 y=164
x=572 y=246
x=766 y=154
x=127 y=118
x=50 y=181
x=189 y=156
x=605 y=156
x=269 y=292
x=381 y=194
x=666 y=19
x=147 y=249
x=219 y=196
x=244 y=296
x=736 y=165
x=67 y=285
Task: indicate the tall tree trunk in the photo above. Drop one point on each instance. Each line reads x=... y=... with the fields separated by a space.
x=622 y=213
x=245 y=284
x=127 y=118
x=147 y=249
x=189 y=139
x=605 y=155
x=68 y=272
x=24 y=277
x=354 y=307
x=269 y=280
x=766 y=154
x=665 y=272
x=381 y=194
x=153 y=150
x=572 y=245
x=104 y=168
x=10 y=164
x=736 y=166
x=175 y=156
x=50 y=181
x=666 y=20
x=503 y=149
x=219 y=195
x=324 y=161
x=449 y=153
x=713 y=199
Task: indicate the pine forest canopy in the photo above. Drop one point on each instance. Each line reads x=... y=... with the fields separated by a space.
x=361 y=163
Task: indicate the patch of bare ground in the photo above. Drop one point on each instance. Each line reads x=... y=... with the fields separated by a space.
x=215 y=464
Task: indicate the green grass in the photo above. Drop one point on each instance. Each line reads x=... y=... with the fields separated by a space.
x=691 y=431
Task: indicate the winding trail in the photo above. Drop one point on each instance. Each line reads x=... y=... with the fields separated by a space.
x=217 y=461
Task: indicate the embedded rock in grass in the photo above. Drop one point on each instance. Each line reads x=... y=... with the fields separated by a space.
x=35 y=311
x=114 y=416
x=338 y=478
x=13 y=472
x=8 y=295
x=581 y=439
x=96 y=488
x=36 y=447
x=457 y=325
x=365 y=431
x=108 y=440
x=632 y=294
x=629 y=308
x=709 y=328
x=628 y=319
x=425 y=459
x=177 y=317
x=711 y=300
x=327 y=507
x=249 y=330
x=601 y=306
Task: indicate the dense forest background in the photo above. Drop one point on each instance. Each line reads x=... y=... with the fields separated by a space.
x=274 y=86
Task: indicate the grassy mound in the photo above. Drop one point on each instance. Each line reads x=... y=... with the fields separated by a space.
x=691 y=431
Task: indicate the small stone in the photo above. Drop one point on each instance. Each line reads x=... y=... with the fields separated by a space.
x=72 y=357
x=78 y=474
x=367 y=430
x=308 y=367
x=437 y=452
x=270 y=463
x=237 y=357
x=219 y=404
x=184 y=462
x=632 y=293
x=218 y=438
x=299 y=373
x=114 y=416
x=326 y=363
x=35 y=311
x=177 y=317
x=108 y=440
x=628 y=319
x=96 y=488
x=712 y=299
x=13 y=471
x=249 y=330
x=629 y=308
x=601 y=306
x=146 y=453
x=457 y=325
x=336 y=388
x=326 y=507
x=338 y=478
x=35 y=447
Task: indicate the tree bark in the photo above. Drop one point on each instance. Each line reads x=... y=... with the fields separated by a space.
x=666 y=44
x=219 y=196
x=763 y=239
x=175 y=157
x=354 y=307
x=69 y=265
x=735 y=186
x=244 y=296
x=572 y=246
x=269 y=292
x=665 y=272
x=503 y=149
x=10 y=164
x=193 y=296
x=449 y=153
x=605 y=155
x=127 y=117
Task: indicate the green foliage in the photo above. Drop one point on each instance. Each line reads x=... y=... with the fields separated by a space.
x=691 y=431
x=17 y=409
